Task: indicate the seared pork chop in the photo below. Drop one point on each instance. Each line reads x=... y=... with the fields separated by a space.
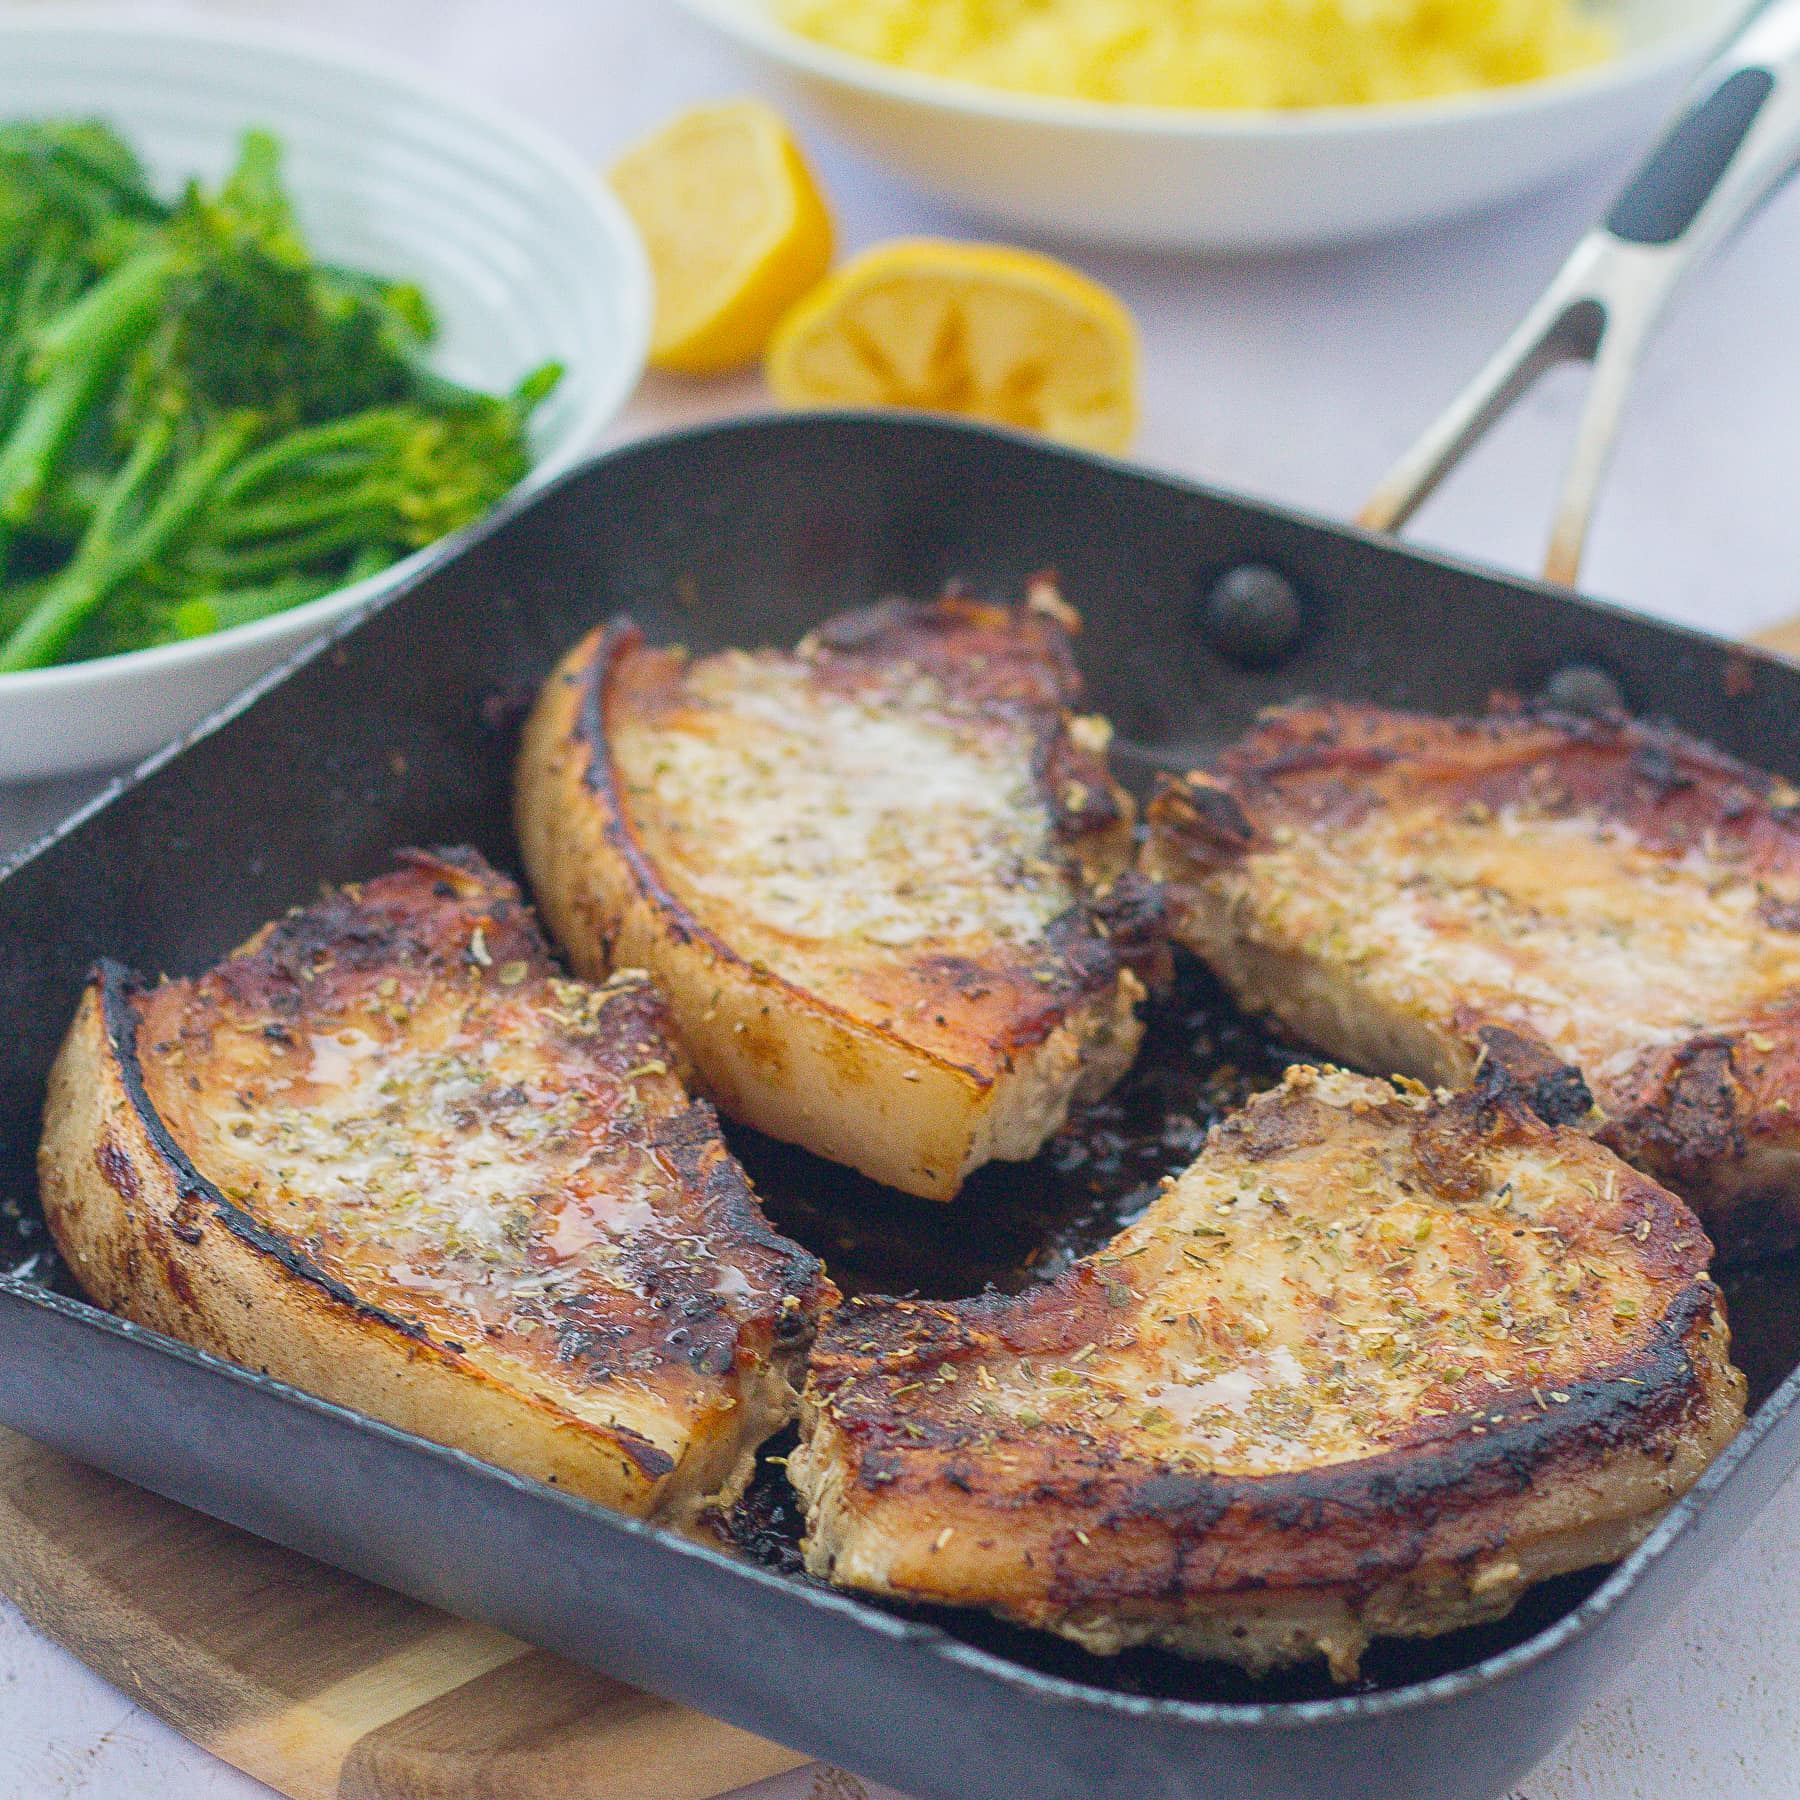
x=882 y=879
x=387 y=1153
x=1385 y=885
x=1374 y=1364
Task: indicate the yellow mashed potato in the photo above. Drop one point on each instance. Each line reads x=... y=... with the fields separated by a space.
x=1215 y=53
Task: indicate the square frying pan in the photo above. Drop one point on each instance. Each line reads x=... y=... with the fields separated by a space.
x=1201 y=609
x=400 y=731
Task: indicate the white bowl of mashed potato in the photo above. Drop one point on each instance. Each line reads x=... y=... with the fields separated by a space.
x=1229 y=125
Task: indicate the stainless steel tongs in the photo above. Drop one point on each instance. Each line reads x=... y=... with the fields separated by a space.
x=1736 y=139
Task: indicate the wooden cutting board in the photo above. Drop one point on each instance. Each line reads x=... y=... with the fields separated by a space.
x=1783 y=639
x=327 y=1688
x=321 y=1685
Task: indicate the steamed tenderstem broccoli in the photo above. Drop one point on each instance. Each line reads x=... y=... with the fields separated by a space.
x=201 y=424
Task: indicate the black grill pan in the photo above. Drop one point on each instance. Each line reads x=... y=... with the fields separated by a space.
x=400 y=732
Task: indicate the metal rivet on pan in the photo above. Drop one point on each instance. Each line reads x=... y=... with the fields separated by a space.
x=1253 y=616
x=1584 y=688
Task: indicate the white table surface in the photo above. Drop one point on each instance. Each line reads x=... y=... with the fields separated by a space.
x=1298 y=379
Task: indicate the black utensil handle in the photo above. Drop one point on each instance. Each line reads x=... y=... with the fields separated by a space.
x=1668 y=192
x=1711 y=139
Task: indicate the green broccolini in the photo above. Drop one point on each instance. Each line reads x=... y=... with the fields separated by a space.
x=200 y=423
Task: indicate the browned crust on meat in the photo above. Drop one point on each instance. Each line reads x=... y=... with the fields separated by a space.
x=1317 y=763
x=648 y=1392
x=1712 y=1114
x=1002 y=1008
x=1108 y=1534
x=962 y=1025
x=1714 y=1117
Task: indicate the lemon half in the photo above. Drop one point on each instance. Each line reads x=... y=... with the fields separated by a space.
x=735 y=227
x=984 y=331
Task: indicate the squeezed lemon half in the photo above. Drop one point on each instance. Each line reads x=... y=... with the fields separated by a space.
x=735 y=227
x=1007 y=336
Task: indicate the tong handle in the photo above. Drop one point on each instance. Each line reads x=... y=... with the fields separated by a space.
x=1735 y=141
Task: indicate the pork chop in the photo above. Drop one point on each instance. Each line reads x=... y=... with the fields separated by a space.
x=1386 y=885
x=1373 y=1365
x=387 y=1153
x=883 y=879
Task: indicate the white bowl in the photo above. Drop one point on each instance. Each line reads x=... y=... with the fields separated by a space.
x=523 y=252
x=1186 y=179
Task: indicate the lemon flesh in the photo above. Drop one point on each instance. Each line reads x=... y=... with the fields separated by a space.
x=1006 y=336
x=735 y=227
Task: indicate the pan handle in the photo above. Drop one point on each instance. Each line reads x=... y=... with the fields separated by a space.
x=1735 y=141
